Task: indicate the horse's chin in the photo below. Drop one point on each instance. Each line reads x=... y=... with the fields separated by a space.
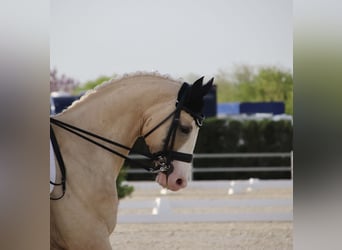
x=178 y=179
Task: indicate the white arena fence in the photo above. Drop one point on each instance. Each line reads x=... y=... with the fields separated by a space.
x=213 y=169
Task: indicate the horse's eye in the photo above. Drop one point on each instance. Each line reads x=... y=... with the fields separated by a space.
x=185 y=129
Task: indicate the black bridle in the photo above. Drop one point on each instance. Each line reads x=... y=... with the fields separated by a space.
x=161 y=160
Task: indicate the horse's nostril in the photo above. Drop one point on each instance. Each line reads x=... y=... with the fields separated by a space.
x=179 y=182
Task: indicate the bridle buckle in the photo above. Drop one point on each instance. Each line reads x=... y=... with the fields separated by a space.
x=161 y=165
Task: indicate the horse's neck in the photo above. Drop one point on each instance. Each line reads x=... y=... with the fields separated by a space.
x=107 y=114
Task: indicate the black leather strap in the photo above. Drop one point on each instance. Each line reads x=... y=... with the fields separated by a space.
x=61 y=164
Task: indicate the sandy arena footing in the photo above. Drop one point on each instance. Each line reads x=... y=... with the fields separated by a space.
x=250 y=214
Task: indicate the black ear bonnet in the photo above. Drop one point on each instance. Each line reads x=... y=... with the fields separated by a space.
x=193 y=98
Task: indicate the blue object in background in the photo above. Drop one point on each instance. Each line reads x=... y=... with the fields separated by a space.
x=249 y=108
x=210 y=103
x=274 y=108
x=62 y=102
x=228 y=108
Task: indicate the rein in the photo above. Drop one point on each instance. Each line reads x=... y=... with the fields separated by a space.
x=161 y=160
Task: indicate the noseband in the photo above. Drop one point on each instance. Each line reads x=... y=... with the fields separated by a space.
x=161 y=160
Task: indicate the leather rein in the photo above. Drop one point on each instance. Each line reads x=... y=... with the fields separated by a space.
x=162 y=160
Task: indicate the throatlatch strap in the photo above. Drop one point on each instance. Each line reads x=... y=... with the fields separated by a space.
x=158 y=125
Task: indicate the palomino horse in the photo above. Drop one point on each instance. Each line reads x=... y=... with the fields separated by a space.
x=164 y=112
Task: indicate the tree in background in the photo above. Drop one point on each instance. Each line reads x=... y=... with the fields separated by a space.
x=62 y=83
x=93 y=83
x=248 y=84
x=122 y=188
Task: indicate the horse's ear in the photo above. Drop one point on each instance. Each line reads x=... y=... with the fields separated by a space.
x=198 y=83
x=206 y=88
x=194 y=100
x=200 y=90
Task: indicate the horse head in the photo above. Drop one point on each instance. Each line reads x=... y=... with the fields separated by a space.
x=173 y=140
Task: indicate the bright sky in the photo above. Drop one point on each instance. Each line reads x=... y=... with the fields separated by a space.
x=177 y=37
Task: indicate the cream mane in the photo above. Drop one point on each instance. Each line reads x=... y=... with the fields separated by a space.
x=120 y=79
x=137 y=74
